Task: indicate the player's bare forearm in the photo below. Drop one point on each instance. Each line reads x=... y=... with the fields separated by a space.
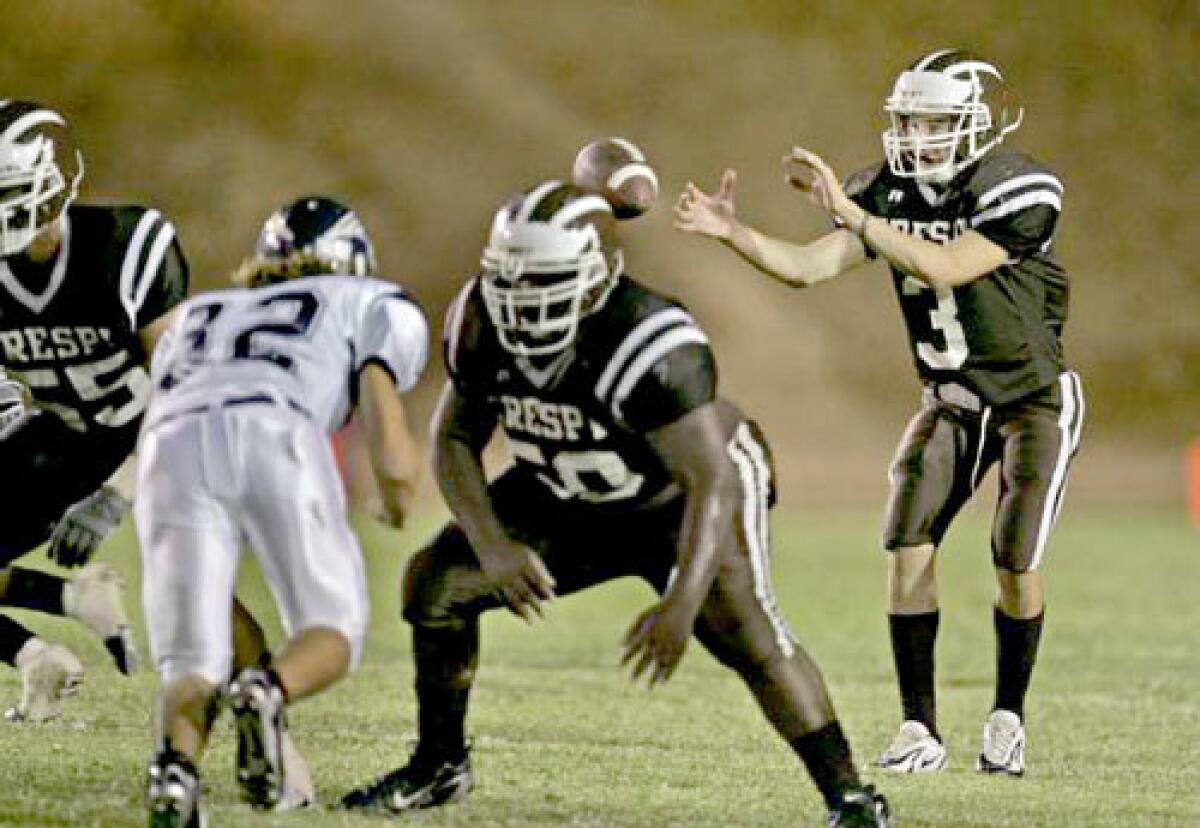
x=458 y=465
x=797 y=265
x=694 y=450
x=395 y=455
x=518 y=576
x=462 y=482
x=715 y=215
x=941 y=266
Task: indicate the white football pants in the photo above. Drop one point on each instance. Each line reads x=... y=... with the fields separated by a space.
x=208 y=481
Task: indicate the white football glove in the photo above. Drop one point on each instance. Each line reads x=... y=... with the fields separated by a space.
x=84 y=526
x=14 y=408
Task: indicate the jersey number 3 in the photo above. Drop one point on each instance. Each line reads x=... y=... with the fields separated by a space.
x=943 y=319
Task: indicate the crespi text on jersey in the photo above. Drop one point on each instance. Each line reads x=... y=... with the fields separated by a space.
x=36 y=343
x=938 y=230
x=548 y=420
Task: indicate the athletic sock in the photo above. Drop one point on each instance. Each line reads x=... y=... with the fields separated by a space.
x=826 y=754
x=913 y=639
x=31 y=589
x=1016 y=651
x=13 y=637
x=445 y=661
x=441 y=722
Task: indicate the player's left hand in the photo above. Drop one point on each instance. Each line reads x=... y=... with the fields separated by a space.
x=656 y=641
x=808 y=173
x=84 y=526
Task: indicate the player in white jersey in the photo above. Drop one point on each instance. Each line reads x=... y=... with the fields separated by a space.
x=248 y=384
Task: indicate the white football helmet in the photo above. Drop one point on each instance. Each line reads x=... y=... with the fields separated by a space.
x=947 y=110
x=40 y=171
x=551 y=258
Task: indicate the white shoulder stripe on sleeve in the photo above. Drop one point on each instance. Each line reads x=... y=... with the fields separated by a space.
x=158 y=252
x=641 y=332
x=1017 y=183
x=133 y=254
x=623 y=174
x=656 y=350
x=1018 y=203
x=453 y=327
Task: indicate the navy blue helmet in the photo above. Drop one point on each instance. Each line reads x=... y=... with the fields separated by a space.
x=323 y=228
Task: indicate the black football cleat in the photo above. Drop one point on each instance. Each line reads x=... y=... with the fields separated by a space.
x=422 y=783
x=174 y=792
x=861 y=809
x=257 y=702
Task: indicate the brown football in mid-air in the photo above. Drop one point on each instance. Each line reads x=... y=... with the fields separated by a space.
x=617 y=169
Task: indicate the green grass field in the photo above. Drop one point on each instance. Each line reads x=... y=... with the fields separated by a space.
x=561 y=738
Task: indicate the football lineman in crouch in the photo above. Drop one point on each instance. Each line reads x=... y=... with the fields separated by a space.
x=83 y=292
x=967 y=229
x=248 y=384
x=626 y=463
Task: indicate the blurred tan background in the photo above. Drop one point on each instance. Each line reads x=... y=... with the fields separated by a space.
x=424 y=115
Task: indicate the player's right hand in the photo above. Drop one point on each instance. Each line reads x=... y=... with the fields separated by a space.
x=708 y=215
x=519 y=578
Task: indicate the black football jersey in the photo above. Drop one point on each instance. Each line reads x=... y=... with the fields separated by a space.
x=999 y=335
x=577 y=423
x=69 y=327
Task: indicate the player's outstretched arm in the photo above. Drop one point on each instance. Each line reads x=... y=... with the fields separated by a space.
x=395 y=455
x=693 y=449
x=941 y=266
x=797 y=265
x=518 y=575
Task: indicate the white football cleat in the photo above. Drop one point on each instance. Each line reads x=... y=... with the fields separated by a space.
x=49 y=673
x=914 y=750
x=93 y=597
x=1003 y=745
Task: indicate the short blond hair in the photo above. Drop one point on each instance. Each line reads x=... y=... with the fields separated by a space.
x=257 y=271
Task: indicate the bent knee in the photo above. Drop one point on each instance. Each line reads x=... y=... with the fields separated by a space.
x=434 y=594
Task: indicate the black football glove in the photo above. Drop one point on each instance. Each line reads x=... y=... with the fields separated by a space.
x=84 y=526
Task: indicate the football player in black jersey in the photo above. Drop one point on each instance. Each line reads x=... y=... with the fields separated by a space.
x=626 y=462
x=967 y=230
x=83 y=290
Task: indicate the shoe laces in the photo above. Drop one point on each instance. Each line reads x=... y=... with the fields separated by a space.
x=1003 y=735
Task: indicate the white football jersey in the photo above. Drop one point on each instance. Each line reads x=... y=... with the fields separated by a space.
x=301 y=342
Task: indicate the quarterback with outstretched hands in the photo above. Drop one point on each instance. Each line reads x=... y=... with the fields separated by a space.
x=967 y=230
